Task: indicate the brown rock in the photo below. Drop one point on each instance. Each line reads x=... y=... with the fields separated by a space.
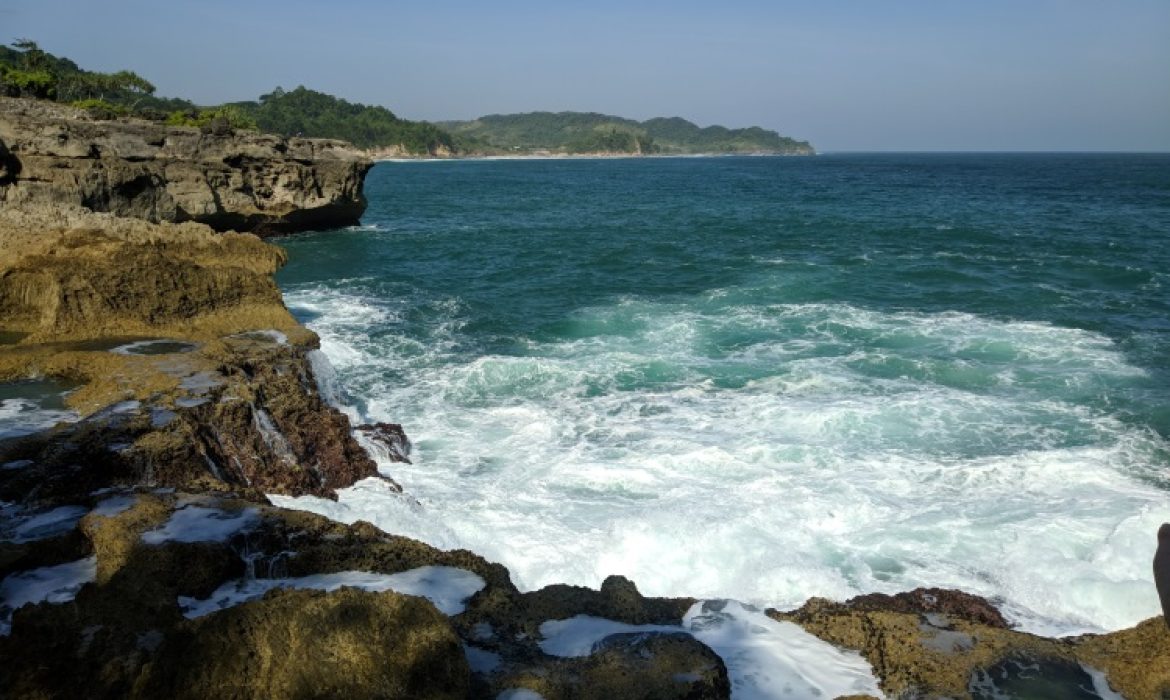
x=308 y=644
x=964 y=606
x=1136 y=660
x=69 y=274
x=618 y=600
x=389 y=438
x=236 y=407
x=58 y=156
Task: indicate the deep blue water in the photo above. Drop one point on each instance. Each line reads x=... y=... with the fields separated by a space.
x=770 y=378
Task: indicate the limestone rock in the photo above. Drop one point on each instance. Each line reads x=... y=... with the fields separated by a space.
x=52 y=155
x=67 y=273
x=230 y=404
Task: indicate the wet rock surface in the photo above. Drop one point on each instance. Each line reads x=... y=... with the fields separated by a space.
x=389 y=439
x=124 y=634
x=917 y=651
x=53 y=155
x=212 y=407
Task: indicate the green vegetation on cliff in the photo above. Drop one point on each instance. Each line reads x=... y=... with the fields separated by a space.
x=582 y=132
x=311 y=113
x=26 y=70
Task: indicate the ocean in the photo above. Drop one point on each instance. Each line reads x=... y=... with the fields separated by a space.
x=764 y=378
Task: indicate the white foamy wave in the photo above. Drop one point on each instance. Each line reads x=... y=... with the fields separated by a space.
x=448 y=588
x=769 y=660
x=765 y=659
x=335 y=316
x=727 y=450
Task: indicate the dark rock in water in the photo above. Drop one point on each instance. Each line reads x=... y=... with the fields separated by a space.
x=308 y=644
x=389 y=436
x=1162 y=569
x=618 y=600
x=52 y=155
x=934 y=600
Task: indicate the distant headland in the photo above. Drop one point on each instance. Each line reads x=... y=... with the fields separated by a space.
x=26 y=70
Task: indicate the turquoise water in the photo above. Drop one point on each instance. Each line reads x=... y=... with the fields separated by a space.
x=769 y=378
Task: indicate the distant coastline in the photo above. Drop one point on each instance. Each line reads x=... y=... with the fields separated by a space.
x=381 y=158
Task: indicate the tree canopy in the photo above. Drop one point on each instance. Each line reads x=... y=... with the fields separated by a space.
x=26 y=70
x=578 y=132
x=307 y=112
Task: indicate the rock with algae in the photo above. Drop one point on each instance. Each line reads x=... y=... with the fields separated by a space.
x=931 y=643
x=230 y=401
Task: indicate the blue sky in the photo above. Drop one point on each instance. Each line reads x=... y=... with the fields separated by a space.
x=844 y=74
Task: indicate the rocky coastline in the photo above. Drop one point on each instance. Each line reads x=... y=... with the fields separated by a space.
x=54 y=155
x=140 y=556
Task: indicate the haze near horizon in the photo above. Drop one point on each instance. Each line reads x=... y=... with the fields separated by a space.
x=852 y=75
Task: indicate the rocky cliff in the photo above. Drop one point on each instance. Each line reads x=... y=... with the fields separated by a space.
x=53 y=155
x=180 y=350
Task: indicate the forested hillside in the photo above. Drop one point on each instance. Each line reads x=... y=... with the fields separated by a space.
x=312 y=113
x=26 y=70
x=584 y=132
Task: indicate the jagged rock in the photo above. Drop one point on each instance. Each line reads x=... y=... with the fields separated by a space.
x=389 y=438
x=243 y=181
x=307 y=644
x=1162 y=570
x=933 y=654
x=934 y=600
x=233 y=407
x=618 y=600
x=256 y=426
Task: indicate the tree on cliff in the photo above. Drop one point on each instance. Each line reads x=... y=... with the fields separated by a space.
x=120 y=86
x=310 y=113
x=30 y=75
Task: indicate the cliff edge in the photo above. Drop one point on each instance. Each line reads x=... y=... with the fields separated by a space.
x=53 y=155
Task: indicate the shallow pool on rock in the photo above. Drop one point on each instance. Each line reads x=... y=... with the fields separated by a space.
x=31 y=405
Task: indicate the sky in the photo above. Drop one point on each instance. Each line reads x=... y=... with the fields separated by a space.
x=846 y=75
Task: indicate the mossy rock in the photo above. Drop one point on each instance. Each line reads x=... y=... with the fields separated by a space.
x=308 y=644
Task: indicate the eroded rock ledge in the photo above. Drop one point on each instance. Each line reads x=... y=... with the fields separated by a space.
x=52 y=155
x=189 y=371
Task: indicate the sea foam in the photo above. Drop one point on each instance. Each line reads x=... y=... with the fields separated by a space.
x=722 y=449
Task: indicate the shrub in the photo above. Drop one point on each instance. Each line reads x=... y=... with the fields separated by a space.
x=100 y=109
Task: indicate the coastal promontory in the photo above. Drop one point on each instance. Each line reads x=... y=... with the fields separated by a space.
x=55 y=155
